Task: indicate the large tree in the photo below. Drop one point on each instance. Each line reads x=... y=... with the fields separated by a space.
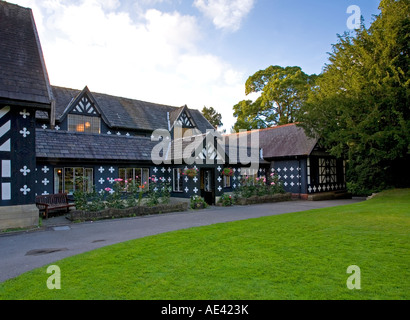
x=282 y=92
x=214 y=117
x=360 y=104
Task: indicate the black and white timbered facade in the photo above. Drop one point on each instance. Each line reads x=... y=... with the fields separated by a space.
x=303 y=166
x=50 y=136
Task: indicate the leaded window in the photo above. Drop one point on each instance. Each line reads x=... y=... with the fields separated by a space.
x=83 y=123
x=227 y=181
x=327 y=170
x=69 y=180
x=178 y=180
x=137 y=176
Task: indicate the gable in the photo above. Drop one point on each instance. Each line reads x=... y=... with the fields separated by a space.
x=184 y=121
x=183 y=118
x=85 y=107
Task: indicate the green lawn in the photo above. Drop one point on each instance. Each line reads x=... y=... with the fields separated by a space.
x=301 y=255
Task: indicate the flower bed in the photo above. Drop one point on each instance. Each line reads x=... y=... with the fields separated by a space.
x=264 y=199
x=110 y=213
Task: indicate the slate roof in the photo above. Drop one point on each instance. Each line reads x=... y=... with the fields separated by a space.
x=283 y=141
x=196 y=144
x=23 y=75
x=125 y=113
x=84 y=146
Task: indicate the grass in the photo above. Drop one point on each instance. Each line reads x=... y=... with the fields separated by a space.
x=301 y=255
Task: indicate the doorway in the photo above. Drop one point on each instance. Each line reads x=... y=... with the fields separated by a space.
x=207 y=186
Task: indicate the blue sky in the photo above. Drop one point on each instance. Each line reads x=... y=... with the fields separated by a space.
x=194 y=52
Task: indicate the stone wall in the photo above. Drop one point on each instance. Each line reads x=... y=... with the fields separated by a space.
x=265 y=199
x=78 y=215
x=22 y=216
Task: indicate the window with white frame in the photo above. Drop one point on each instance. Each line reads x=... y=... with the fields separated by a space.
x=137 y=176
x=178 y=180
x=227 y=181
x=69 y=180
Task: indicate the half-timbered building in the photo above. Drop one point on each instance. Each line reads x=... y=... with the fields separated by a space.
x=52 y=139
x=302 y=164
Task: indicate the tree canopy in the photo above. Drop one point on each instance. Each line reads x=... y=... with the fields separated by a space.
x=359 y=105
x=214 y=117
x=282 y=92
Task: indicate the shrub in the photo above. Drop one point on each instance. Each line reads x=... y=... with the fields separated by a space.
x=198 y=203
x=114 y=199
x=226 y=200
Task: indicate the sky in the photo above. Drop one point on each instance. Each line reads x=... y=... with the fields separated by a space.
x=186 y=52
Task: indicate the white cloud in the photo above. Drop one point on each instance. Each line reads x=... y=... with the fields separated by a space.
x=109 y=4
x=156 y=58
x=225 y=14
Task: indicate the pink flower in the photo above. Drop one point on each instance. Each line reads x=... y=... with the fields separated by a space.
x=272 y=183
x=118 y=180
x=108 y=179
x=107 y=189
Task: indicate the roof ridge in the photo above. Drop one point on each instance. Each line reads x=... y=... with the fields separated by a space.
x=116 y=96
x=264 y=129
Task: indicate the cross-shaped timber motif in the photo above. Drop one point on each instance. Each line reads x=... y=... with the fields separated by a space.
x=24 y=132
x=25 y=170
x=24 y=113
x=25 y=190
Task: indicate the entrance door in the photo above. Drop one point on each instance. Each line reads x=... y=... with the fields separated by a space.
x=207 y=186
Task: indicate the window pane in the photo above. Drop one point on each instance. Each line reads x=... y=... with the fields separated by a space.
x=69 y=180
x=145 y=175
x=208 y=181
x=121 y=173
x=58 y=180
x=227 y=181
x=79 y=179
x=138 y=176
x=177 y=180
x=89 y=179
x=129 y=174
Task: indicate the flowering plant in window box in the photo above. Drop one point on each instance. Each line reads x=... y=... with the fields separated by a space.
x=227 y=172
x=190 y=172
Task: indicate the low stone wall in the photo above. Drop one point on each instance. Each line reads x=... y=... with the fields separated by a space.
x=14 y=217
x=79 y=215
x=265 y=199
x=330 y=196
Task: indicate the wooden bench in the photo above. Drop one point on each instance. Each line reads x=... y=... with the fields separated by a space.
x=53 y=202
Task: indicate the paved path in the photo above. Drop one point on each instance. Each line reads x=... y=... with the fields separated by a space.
x=25 y=251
